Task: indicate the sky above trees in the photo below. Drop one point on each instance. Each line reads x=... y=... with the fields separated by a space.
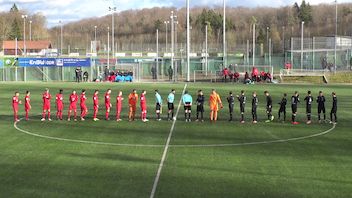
x=73 y=10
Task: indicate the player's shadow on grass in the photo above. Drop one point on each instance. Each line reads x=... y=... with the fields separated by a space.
x=110 y=128
x=7 y=118
x=220 y=138
x=114 y=157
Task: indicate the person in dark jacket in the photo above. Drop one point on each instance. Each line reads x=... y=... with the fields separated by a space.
x=200 y=105
x=333 y=116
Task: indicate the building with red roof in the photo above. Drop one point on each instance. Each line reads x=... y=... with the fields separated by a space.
x=32 y=47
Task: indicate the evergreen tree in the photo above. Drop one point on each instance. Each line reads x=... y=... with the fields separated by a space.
x=14 y=8
x=304 y=12
x=158 y=24
x=15 y=31
x=261 y=36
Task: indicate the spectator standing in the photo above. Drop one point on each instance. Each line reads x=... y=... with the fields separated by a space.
x=171 y=73
x=154 y=73
x=78 y=72
x=106 y=73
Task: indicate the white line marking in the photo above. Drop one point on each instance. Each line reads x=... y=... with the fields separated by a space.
x=259 y=143
x=178 y=146
x=157 y=177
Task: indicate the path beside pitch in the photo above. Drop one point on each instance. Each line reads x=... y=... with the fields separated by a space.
x=167 y=145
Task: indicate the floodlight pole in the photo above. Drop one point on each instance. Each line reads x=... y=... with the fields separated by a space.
x=188 y=43
x=24 y=35
x=108 y=48
x=270 y=49
x=157 y=53
x=113 y=9
x=166 y=35
x=176 y=37
x=302 y=42
x=206 y=49
x=283 y=38
x=253 y=45
x=95 y=39
x=172 y=17
x=30 y=30
x=267 y=37
x=224 y=35
x=61 y=46
x=335 y=50
x=247 y=54
x=61 y=37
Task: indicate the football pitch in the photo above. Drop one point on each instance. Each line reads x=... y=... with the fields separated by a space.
x=175 y=158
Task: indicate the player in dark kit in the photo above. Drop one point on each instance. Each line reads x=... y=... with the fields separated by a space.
x=231 y=101
x=309 y=101
x=333 y=109
x=254 y=108
x=321 y=105
x=269 y=106
x=242 y=99
x=283 y=104
x=294 y=107
x=200 y=105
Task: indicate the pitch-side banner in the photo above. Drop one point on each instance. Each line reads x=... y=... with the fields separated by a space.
x=54 y=62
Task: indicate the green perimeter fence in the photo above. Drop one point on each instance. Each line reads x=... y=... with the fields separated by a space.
x=143 y=68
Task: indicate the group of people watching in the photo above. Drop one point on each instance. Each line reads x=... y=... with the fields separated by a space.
x=248 y=78
x=118 y=75
x=170 y=73
x=79 y=77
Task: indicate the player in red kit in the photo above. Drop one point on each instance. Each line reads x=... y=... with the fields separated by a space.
x=95 y=105
x=119 y=100
x=144 y=106
x=27 y=104
x=59 y=104
x=15 y=102
x=84 y=109
x=46 y=104
x=73 y=105
x=107 y=104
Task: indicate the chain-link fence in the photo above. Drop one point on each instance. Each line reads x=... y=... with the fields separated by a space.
x=320 y=53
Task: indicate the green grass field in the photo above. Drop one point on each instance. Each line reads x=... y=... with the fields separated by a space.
x=110 y=159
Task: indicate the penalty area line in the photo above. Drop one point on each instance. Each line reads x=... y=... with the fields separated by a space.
x=167 y=145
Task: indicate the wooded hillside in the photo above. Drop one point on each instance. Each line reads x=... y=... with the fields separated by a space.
x=135 y=29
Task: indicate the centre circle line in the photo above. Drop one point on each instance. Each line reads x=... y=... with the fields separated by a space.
x=173 y=145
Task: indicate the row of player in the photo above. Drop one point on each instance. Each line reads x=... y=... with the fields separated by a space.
x=214 y=103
